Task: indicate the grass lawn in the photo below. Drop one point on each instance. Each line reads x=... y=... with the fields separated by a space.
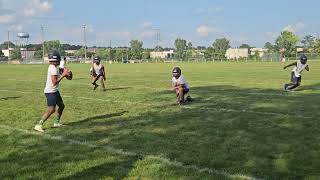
x=242 y=125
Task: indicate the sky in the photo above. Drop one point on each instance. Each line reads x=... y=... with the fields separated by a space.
x=253 y=22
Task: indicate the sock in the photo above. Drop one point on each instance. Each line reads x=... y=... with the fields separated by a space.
x=56 y=120
x=41 y=121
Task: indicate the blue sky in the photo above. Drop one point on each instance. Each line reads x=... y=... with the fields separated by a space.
x=199 y=21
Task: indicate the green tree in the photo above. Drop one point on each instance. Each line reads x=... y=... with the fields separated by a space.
x=146 y=55
x=220 y=47
x=287 y=41
x=103 y=53
x=136 y=50
x=316 y=46
x=269 y=46
x=79 y=52
x=38 y=54
x=181 y=48
x=308 y=42
x=15 y=54
x=189 y=50
x=1 y=53
x=208 y=53
x=4 y=45
x=54 y=45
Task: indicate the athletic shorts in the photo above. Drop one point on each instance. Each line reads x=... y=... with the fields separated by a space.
x=295 y=79
x=54 y=99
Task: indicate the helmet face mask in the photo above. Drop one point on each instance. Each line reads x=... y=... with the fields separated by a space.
x=54 y=56
x=176 y=72
x=303 y=59
x=96 y=60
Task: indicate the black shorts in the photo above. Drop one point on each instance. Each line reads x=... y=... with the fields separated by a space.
x=295 y=79
x=54 y=99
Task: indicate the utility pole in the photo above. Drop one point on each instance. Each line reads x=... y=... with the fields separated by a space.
x=8 y=44
x=85 y=41
x=42 y=39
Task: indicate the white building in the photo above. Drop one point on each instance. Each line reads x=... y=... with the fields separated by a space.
x=161 y=54
x=7 y=52
x=236 y=53
x=261 y=51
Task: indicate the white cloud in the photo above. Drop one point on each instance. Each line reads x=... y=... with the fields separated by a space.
x=204 y=30
x=295 y=28
x=146 y=25
x=37 y=8
x=7 y=18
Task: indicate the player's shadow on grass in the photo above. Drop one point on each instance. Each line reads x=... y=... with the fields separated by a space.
x=266 y=133
x=10 y=97
x=91 y=120
x=119 y=88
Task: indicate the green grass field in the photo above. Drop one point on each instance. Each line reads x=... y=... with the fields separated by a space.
x=242 y=125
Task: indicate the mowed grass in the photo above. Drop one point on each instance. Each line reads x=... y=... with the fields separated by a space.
x=241 y=125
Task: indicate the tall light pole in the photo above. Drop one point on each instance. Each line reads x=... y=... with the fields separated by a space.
x=42 y=38
x=85 y=41
x=8 y=44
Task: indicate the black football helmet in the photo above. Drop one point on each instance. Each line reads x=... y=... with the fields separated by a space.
x=303 y=59
x=54 y=56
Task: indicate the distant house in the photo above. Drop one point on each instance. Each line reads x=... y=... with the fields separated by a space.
x=261 y=51
x=7 y=52
x=161 y=54
x=236 y=53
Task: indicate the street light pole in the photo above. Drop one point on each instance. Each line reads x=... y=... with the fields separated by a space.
x=8 y=44
x=42 y=38
x=85 y=41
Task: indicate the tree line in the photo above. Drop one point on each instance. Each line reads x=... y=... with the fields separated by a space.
x=286 y=44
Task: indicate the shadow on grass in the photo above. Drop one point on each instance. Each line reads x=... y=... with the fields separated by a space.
x=10 y=97
x=120 y=88
x=264 y=133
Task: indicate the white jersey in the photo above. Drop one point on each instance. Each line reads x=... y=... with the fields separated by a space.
x=97 y=68
x=52 y=71
x=180 y=81
x=62 y=62
x=299 y=68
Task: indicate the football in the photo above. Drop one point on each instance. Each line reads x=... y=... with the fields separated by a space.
x=69 y=76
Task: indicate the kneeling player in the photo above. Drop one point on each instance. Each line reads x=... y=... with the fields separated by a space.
x=97 y=71
x=299 y=66
x=180 y=86
x=51 y=91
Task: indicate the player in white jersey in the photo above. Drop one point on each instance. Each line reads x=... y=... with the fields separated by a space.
x=97 y=71
x=180 y=86
x=299 y=66
x=52 y=92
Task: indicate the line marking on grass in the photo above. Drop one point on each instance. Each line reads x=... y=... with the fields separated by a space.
x=186 y=107
x=128 y=153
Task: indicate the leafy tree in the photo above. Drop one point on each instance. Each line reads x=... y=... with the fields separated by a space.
x=269 y=46
x=189 y=50
x=54 y=45
x=316 y=46
x=4 y=45
x=38 y=54
x=102 y=53
x=136 y=49
x=208 y=53
x=308 y=42
x=220 y=47
x=1 y=53
x=158 y=48
x=181 y=48
x=15 y=54
x=287 y=41
x=80 y=53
